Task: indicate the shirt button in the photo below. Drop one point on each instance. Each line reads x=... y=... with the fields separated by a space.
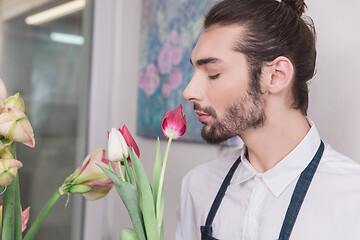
x=257 y=179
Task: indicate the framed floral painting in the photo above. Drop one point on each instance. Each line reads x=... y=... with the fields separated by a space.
x=170 y=29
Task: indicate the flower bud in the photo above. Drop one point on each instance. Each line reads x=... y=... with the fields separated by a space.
x=174 y=123
x=89 y=180
x=15 y=101
x=25 y=218
x=6 y=150
x=117 y=147
x=15 y=125
x=8 y=170
x=129 y=140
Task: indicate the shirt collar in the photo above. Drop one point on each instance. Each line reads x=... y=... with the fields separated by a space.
x=288 y=169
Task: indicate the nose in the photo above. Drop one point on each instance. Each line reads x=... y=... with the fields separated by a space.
x=193 y=91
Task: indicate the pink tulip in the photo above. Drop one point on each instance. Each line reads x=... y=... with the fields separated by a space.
x=8 y=170
x=129 y=140
x=174 y=123
x=92 y=176
x=15 y=125
x=25 y=218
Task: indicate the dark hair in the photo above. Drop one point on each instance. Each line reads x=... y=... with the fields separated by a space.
x=273 y=29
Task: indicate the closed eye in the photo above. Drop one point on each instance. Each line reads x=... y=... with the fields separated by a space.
x=212 y=77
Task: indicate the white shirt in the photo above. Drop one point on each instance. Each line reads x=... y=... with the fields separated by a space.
x=255 y=204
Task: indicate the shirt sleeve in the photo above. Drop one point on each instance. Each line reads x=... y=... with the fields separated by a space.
x=187 y=227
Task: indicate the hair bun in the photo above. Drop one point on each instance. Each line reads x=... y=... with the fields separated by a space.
x=298 y=5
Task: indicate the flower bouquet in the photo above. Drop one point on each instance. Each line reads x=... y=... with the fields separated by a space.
x=145 y=204
x=94 y=179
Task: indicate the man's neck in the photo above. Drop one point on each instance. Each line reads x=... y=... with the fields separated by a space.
x=268 y=145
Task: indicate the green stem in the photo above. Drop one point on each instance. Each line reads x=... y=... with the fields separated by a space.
x=161 y=184
x=120 y=170
x=137 y=186
x=41 y=217
x=8 y=218
x=17 y=210
x=11 y=222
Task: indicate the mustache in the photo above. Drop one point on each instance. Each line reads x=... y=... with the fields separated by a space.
x=208 y=110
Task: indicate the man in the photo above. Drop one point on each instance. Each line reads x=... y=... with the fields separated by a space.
x=252 y=64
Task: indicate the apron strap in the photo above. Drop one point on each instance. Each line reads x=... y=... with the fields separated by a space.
x=220 y=195
x=299 y=194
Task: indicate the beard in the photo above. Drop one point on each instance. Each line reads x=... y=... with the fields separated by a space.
x=245 y=113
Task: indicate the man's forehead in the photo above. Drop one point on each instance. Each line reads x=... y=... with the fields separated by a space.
x=216 y=42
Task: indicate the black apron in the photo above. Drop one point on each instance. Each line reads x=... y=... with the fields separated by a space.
x=296 y=201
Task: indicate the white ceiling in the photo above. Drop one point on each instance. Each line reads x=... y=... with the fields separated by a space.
x=12 y=8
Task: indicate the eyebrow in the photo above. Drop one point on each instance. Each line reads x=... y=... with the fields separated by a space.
x=208 y=60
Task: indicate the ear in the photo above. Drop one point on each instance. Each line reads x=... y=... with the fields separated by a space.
x=278 y=75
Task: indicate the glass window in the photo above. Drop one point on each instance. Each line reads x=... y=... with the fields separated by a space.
x=47 y=64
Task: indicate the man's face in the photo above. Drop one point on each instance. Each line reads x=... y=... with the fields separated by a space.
x=219 y=89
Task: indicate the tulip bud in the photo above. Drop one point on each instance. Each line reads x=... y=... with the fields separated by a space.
x=15 y=125
x=174 y=123
x=8 y=170
x=15 y=101
x=117 y=147
x=129 y=140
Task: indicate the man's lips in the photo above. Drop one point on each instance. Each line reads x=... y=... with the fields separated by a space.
x=202 y=116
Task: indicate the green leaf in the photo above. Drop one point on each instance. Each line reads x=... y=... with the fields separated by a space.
x=157 y=172
x=128 y=172
x=110 y=173
x=130 y=197
x=162 y=231
x=147 y=200
x=110 y=168
x=128 y=234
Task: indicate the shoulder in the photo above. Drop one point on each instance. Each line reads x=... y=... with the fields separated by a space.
x=338 y=172
x=338 y=163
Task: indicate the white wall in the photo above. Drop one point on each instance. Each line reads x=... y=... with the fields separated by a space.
x=334 y=92
x=334 y=99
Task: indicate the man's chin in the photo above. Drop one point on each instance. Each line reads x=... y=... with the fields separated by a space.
x=212 y=136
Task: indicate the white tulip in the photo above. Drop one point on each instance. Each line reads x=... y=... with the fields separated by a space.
x=117 y=146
